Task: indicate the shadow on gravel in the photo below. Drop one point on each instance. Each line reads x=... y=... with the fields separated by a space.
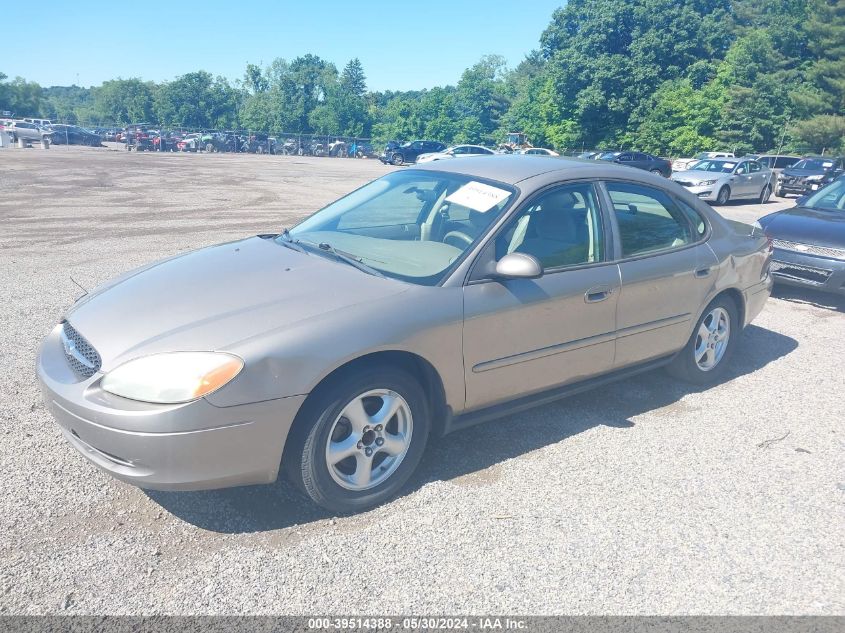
x=814 y=298
x=467 y=452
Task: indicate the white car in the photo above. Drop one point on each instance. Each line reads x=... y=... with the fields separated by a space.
x=682 y=164
x=42 y=123
x=455 y=151
x=538 y=151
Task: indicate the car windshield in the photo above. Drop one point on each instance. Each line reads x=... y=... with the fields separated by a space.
x=609 y=155
x=813 y=163
x=701 y=155
x=721 y=166
x=831 y=197
x=410 y=225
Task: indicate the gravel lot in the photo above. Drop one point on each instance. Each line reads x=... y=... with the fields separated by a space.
x=645 y=497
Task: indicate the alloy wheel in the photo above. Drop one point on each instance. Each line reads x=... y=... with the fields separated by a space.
x=712 y=339
x=369 y=439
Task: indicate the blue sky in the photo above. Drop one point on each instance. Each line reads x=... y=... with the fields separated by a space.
x=403 y=44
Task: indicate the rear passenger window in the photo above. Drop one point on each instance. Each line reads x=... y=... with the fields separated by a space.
x=648 y=219
x=695 y=218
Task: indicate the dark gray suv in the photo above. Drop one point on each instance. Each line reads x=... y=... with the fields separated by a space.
x=408 y=152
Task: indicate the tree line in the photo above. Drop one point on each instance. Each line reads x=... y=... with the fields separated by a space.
x=665 y=76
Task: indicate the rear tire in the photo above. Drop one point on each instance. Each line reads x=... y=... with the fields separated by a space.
x=706 y=356
x=723 y=196
x=656 y=172
x=765 y=194
x=322 y=431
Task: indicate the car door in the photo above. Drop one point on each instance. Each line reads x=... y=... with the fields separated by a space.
x=414 y=150
x=761 y=176
x=527 y=335
x=742 y=181
x=641 y=161
x=625 y=158
x=666 y=270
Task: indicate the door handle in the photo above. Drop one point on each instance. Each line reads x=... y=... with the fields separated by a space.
x=702 y=272
x=596 y=294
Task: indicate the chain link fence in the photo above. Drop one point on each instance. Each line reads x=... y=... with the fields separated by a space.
x=156 y=138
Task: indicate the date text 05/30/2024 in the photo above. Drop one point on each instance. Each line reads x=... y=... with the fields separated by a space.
x=419 y=624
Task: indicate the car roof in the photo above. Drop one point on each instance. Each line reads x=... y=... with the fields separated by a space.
x=511 y=169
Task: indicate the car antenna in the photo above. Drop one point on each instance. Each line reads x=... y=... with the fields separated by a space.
x=84 y=289
x=780 y=148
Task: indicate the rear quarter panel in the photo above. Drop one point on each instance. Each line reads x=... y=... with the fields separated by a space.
x=743 y=264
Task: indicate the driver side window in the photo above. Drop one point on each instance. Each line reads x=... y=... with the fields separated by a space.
x=560 y=228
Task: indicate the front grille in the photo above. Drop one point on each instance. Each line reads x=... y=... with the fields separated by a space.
x=80 y=354
x=686 y=183
x=810 y=249
x=807 y=274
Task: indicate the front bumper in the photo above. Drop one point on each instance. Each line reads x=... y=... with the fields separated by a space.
x=705 y=192
x=808 y=271
x=800 y=188
x=190 y=446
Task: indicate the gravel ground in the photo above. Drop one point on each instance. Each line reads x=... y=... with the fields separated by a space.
x=645 y=497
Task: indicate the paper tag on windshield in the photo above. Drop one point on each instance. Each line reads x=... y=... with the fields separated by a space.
x=478 y=196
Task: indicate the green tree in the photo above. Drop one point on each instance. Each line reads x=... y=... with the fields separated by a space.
x=823 y=132
x=197 y=100
x=20 y=96
x=123 y=101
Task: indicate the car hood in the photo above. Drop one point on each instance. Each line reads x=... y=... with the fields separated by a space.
x=791 y=171
x=807 y=226
x=213 y=298
x=696 y=175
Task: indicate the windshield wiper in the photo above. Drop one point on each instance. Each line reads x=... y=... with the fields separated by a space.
x=349 y=259
x=291 y=243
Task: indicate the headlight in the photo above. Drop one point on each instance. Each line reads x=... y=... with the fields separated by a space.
x=173 y=377
x=815 y=178
x=704 y=183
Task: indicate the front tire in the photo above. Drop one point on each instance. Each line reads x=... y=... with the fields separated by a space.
x=358 y=439
x=781 y=193
x=397 y=159
x=705 y=357
x=723 y=196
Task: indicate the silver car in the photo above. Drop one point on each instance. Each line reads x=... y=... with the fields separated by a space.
x=722 y=180
x=27 y=131
x=427 y=301
x=456 y=151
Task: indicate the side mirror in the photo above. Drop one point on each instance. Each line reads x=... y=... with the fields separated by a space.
x=519 y=266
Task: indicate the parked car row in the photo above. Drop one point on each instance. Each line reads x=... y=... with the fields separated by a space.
x=41 y=130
